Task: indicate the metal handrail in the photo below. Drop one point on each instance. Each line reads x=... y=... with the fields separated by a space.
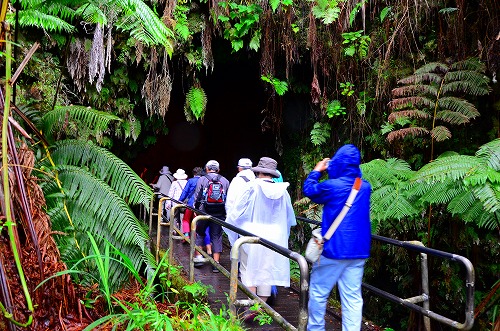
x=233 y=275
x=304 y=271
x=424 y=297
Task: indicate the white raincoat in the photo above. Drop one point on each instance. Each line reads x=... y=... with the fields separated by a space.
x=265 y=210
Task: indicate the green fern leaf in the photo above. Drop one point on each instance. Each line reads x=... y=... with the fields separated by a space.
x=196 y=102
x=440 y=133
x=490 y=154
x=105 y=166
x=320 y=133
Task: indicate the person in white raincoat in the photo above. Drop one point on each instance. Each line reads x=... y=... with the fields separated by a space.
x=265 y=210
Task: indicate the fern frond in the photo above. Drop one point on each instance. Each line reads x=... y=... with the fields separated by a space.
x=452 y=117
x=476 y=77
x=91 y=13
x=470 y=64
x=420 y=78
x=459 y=105
x=489 y=195
x=411 y=102
x=453 y=167
x=440 y=133
x=144 y=24
x=413 y=113
x=405 y=132
x=433 y=67
x=320 y=133
x=384 y=172
x=196 y=102
x=461 y=202
x=411 y=90
x=389 y=203
x=464 y=87
x=41 y=20
x=84 y=117
x=442 y=192
x=105 y=166
x=489 y=153
x=477 y=215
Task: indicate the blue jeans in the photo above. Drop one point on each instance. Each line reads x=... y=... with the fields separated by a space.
x=348 y=275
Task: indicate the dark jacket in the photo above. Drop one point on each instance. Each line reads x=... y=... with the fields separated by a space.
x=352 y=238
x=203 y=183
x=188 y=192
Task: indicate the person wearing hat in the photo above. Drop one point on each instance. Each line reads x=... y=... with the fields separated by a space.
x=237 y=185
x=265 y=210
x=212 y=174
x=162 y=186
x=176 y=190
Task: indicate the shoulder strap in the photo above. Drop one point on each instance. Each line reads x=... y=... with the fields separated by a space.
x=245 y=178
x=354 y=191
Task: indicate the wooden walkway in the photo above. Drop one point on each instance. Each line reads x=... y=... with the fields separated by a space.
x=287 y=304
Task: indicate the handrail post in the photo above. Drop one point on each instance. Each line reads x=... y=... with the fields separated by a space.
x=233 y=280
x=159 y=225
x=304 y=290
x=425 y=284
x=193 y=243
x=171 y=229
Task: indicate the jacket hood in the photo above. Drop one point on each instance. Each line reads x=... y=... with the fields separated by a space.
x=272 y=190
x=345 y=163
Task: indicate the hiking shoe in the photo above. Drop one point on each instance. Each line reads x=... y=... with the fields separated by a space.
x=199 y=261
x=214 y=269
x=249 y=315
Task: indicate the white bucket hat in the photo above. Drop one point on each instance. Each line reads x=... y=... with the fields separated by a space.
x=180 y=174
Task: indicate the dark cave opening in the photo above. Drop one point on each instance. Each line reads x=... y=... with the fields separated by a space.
x=232 y=125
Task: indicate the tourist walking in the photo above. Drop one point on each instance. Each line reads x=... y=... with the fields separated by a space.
x=344 y=255
x=265 y=210
x=211 y=183
x=237 y=185
x=162 y=187
x=175 y=192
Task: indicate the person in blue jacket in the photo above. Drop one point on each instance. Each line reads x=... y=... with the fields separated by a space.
x=344 y=255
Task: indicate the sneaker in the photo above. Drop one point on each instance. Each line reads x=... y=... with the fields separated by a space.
x=249 y=315
x=199 y=261
x=214 y=269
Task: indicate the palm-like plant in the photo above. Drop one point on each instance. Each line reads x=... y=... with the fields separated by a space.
x=88 y=189
x=469 y=186
x=429 y=97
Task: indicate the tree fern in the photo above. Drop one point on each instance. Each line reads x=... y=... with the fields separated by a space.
x=94 y=206
x=434 y=94
x=196 y=104
x=469 y=185
x=75 y=121
x=105 y=166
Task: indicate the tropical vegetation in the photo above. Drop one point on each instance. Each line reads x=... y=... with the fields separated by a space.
x=408 y=82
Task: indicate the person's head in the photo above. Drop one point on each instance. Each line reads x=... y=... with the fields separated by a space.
x=345 y=162
x=180 y=174
x=165 y=171
x=212 y=166
x=244 y=163
x=197 y=171
x=266 y=168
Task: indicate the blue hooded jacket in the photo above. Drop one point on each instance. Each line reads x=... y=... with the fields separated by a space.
x=353 y=236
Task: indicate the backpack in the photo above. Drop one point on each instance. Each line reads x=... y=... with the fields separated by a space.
x=214 y=196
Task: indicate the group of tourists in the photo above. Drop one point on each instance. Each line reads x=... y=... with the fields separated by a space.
x=257 y=201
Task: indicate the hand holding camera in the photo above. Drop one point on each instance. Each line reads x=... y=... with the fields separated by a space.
x=322 y=165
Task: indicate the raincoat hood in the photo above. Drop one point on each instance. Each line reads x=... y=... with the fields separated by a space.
x=345 y=163
x=273 y=191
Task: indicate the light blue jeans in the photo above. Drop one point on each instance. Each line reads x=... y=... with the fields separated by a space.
x=348 y=275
